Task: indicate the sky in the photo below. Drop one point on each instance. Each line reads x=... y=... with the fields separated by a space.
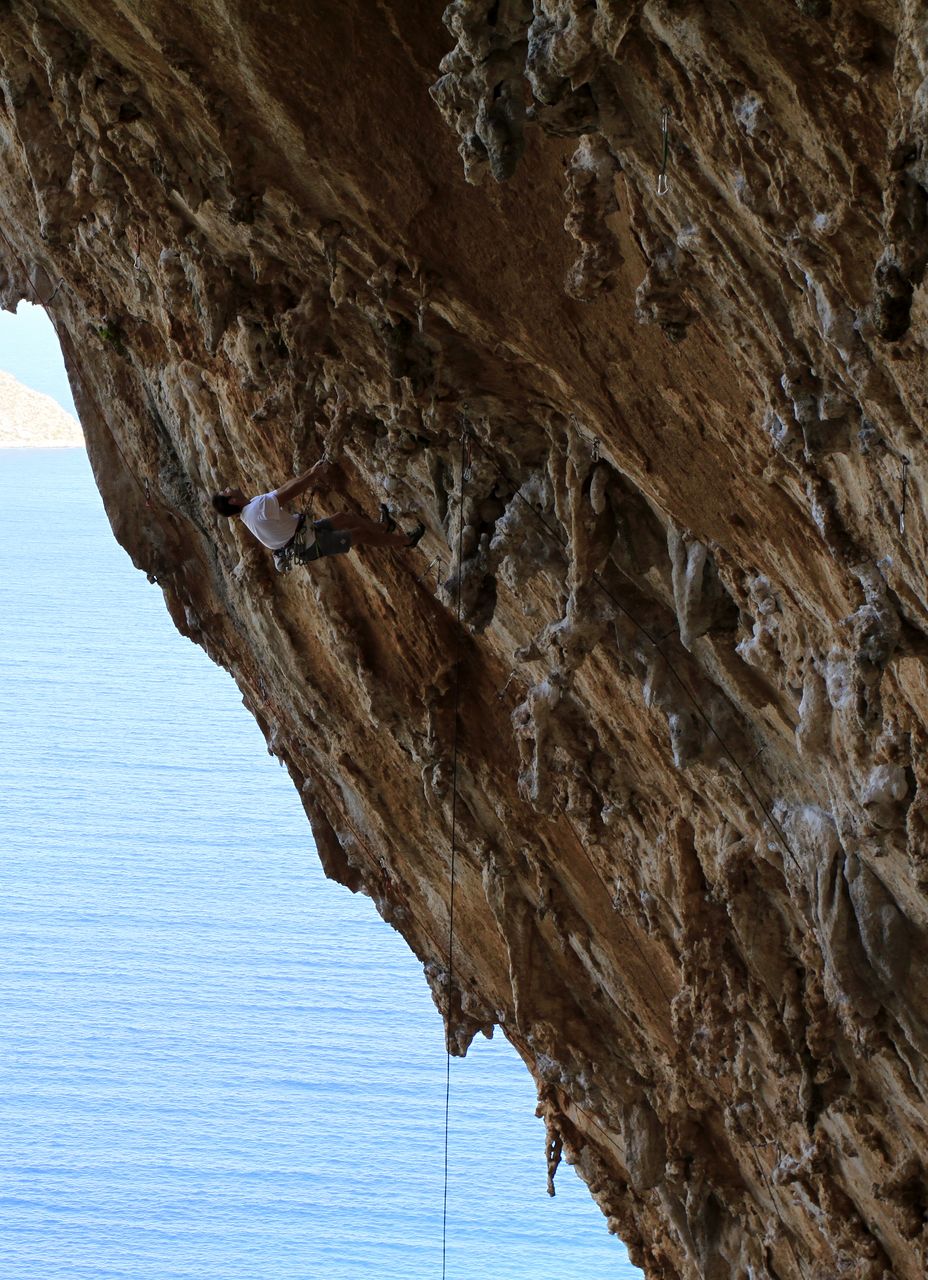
x=29 y=350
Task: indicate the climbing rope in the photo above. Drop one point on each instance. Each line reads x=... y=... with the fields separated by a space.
x=40 y=302
x=764 y=809
x=729 y=1097
x=454 y=842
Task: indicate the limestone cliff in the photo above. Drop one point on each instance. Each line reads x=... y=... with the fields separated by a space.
x=693 y=781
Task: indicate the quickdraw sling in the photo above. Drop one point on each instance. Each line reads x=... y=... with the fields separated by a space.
x=298 y=550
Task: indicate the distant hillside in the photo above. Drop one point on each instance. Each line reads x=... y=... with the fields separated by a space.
x=31 y=420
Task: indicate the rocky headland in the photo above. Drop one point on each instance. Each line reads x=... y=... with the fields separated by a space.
x=31 y=420
x=626 y=301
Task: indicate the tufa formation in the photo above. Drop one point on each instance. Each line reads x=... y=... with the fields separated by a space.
x=670 y=449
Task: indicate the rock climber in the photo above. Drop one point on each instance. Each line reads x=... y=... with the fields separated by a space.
x=292 y=538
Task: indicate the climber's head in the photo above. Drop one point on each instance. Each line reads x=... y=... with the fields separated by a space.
x=229 y=502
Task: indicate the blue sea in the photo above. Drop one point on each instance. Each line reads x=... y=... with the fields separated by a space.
x=214 y=1064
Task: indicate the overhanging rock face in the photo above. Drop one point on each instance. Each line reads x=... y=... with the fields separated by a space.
x=692 y=771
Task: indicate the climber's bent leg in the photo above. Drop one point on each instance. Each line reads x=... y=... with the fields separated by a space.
x=364 y=531
x=361 y=532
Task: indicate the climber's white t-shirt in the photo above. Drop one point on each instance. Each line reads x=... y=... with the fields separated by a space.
x=267 y=520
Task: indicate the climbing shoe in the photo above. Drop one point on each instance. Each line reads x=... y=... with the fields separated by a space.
x=386 y=519
x=415 y=535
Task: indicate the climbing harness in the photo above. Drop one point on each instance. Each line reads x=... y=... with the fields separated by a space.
x=297 y=551
x=454 y=842
x=662 y=184
x=303 y=547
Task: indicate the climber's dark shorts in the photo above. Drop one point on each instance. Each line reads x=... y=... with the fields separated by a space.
x=331 y=542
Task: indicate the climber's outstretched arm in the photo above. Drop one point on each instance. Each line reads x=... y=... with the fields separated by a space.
x=319 y=476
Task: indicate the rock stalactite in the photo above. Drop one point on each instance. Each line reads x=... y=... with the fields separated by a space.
x=692 y=743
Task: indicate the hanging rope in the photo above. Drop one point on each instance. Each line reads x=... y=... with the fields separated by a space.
x=39 y=302
x=754 y=1147
x=668 y=999
x=454 y=842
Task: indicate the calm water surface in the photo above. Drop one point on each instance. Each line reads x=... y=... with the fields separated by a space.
x=214 y=1064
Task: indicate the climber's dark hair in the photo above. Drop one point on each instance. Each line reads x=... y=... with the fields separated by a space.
x=227 y=506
